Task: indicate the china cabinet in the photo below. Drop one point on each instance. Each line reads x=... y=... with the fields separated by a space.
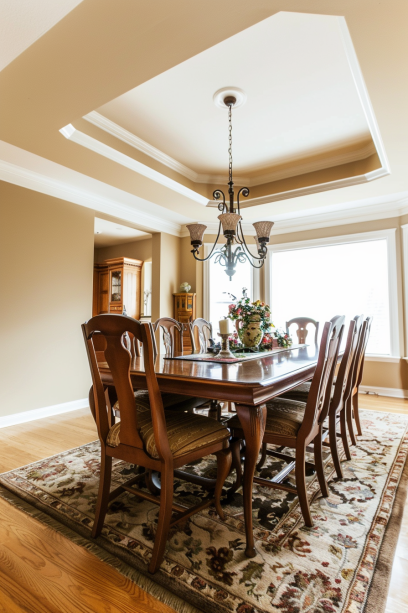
x=117 y=285
x=185 y=312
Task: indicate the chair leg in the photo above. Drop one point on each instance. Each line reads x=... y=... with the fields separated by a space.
x=349 y=417
x=263 y=457
x=215 y=410
x=165 y=513
x=235 y=446
x=333 y=445
x=103 y=493
x=343 y=431
x=224 y=460
x=318 y=458
x=301 y=484
x=356 y=414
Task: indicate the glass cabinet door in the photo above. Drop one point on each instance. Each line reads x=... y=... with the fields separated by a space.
x=116 y=286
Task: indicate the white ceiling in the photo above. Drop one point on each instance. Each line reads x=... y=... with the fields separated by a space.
x=108 y=233
x=301 y=98
x=22 y=22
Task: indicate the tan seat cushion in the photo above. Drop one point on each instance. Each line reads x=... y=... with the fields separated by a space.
x=283 y=417
x=300 y=392
x=186 y=432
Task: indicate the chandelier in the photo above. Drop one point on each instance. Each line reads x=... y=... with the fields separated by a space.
x=230 y=223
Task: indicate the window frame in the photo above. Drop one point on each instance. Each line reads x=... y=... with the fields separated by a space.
x=390 y=236
x=255 y=282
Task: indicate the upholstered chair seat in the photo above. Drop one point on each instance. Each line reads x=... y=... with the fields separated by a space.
x=283 y=417
x=301 y=392
x=186 y=433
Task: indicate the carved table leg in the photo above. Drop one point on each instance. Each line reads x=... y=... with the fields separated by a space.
x=253 y=420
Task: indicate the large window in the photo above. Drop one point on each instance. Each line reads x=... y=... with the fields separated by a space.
x=219 y=290
x=355 y=275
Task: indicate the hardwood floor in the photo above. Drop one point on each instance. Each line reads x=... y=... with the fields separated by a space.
x=43 y=572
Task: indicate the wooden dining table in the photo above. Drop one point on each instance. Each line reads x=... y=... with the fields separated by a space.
x=249 y=384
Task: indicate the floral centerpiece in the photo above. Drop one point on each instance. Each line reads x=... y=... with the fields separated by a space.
x=254 y=326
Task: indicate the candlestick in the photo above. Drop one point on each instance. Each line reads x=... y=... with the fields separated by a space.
x=225 y=350
x=224 y=326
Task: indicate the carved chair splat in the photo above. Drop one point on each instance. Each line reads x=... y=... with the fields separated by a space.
x=302 y=331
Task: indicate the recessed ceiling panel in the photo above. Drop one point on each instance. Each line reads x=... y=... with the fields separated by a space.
x=301 y=99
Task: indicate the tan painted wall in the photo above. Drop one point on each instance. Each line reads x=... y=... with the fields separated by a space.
x=46 y=249
x=138 y=250
x=165 y=273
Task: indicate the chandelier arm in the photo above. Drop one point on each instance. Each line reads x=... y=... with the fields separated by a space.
x=245 y=193
x=212 y=250
x=222 y=207
x=249 y=258
x=246 y=247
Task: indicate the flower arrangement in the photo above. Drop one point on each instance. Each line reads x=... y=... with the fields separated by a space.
x=245 y=310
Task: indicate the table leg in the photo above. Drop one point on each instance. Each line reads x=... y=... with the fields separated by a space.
x=253 y=420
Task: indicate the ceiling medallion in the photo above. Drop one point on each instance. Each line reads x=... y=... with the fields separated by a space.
x=230 y=218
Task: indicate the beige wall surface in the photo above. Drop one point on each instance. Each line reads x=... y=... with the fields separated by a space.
x=138 y=250
x=166 y=260
x=46 y=279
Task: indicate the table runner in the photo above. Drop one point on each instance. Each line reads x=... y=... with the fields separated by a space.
x=239 y=357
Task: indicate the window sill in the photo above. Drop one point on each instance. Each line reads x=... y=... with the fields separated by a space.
x=383 y=358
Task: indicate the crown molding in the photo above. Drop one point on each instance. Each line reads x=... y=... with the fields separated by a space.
x=12 y=173
x=315 y=218
x=300 y=168
x=97 y=146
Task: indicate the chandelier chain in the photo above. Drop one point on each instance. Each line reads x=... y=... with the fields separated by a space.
x=230 y=142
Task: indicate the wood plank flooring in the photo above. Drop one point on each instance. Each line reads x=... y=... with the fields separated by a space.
x=43 y=572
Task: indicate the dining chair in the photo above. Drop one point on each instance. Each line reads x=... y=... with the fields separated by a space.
x=172 y=337
x=147 y=436
x=296 y=425
x=352 y=401
x=341 y=392
x=200 y=332
x=302 y=331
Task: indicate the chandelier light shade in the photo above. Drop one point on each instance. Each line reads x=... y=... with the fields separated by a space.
x=230 y=221
x=196 y=233
x=263 y=230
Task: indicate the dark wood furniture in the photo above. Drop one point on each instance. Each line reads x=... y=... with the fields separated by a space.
x=117 y=285
x=352 y=401
x=294 y=424
x=302 y=331
x=185 y=312
x=248 y=384
x=146 y=437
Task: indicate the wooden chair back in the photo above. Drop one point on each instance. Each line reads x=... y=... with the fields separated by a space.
x=359 y=362
x=318 y=402
x=302 y=331
x=343 y=383
x=119 y=359
x=172 y=334
x=200 y=332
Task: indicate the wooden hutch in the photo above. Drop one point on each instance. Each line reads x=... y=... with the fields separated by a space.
x=185 y=312
x=117 y=284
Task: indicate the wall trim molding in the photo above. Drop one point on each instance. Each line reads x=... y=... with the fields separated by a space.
x=34 y=414
x=80 y=138
x=382 y=358
x=134 y=141
x=392 y=392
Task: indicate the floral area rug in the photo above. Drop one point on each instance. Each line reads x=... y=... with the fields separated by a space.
x=324 y=569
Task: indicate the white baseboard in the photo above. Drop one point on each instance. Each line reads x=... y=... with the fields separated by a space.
x=56 y=409
x=392 y=392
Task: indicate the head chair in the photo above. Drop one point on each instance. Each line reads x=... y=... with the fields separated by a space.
x=172 y=334
x=302 y=330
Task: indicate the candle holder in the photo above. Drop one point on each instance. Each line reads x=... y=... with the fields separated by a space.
x=225 y=350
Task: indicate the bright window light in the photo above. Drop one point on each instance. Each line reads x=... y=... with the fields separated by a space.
x=345 y=279
x=222 y=289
